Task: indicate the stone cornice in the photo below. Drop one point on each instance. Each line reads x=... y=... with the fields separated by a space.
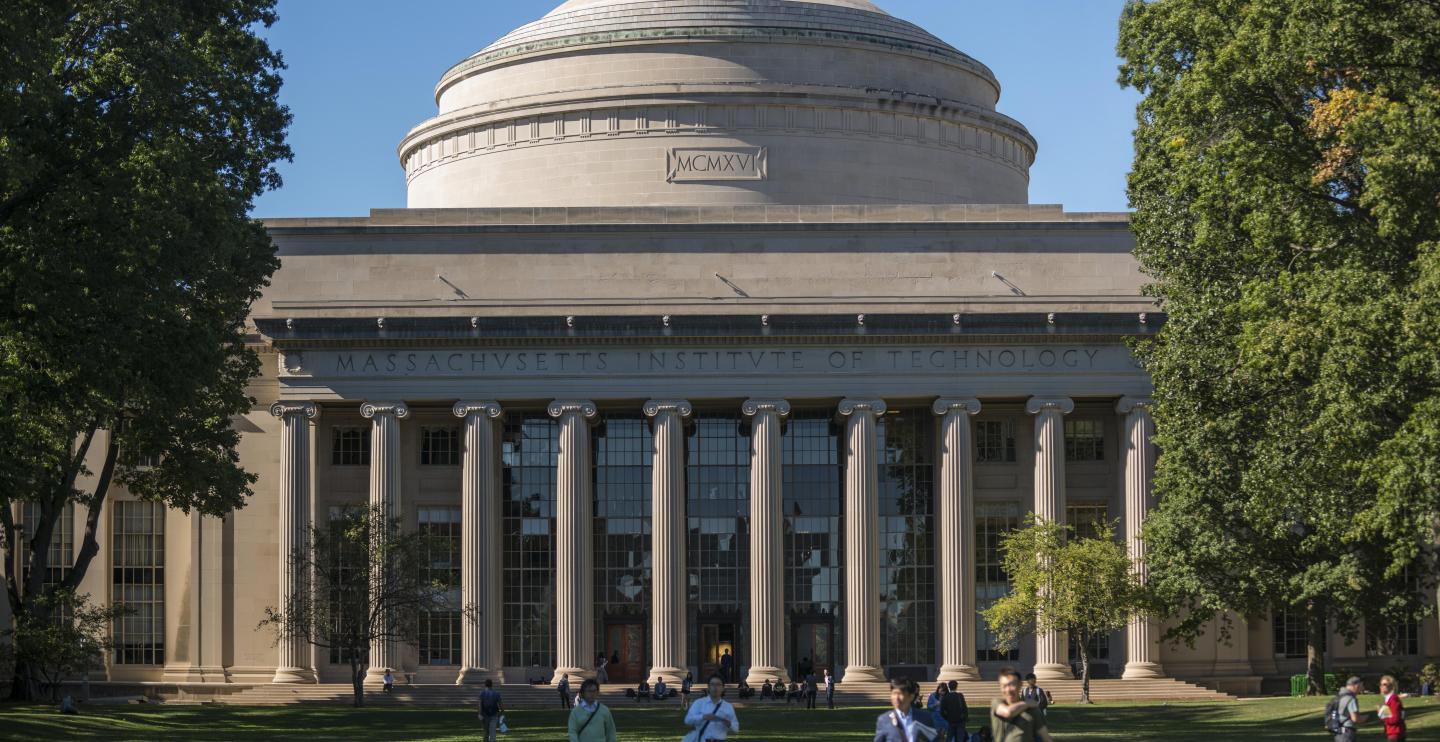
x=946 y=406
x=308 y=409
x=1063 y=405
x=848 y=406
x=582 y=407
x=492 y=410
x=370 y=409
x=753 y=407
x=657 y=407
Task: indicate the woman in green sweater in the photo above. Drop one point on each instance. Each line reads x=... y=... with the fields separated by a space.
x=590 y=720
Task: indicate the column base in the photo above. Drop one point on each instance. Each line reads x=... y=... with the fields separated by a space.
x=195 y=674
x=864 y=674
x=375 y=676
x=758 y=675
x=294 y=676
x=671 y=675
x=1143 y=671
x=1053 y=672
x=958 y=672
x=576 y=674
x=478 y=676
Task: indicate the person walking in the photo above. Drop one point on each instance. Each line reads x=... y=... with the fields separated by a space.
x=686 y=686
x=590 y=720
x=1392 y=711
x=1014 y=719
x=1342 y=714
x=564 y=690
x=811 y=691
x=712 y=717
x=602 y=675
x=829 y=690
x=727 y=666
x=491 y=709
x=955 y=712
x=904 y=722
x=1033 y=693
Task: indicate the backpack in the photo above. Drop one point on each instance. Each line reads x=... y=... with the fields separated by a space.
x=1334 y=722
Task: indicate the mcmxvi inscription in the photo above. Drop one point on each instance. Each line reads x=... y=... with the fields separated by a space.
x=730 y=163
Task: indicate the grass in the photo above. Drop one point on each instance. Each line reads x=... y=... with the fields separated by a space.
x=1279 y=719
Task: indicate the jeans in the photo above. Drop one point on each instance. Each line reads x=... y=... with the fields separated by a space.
x=490 y=723
x=1346 y=734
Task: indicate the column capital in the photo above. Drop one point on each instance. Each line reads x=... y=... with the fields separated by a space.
x=850 y=406
x=370 y=409
x=1127 y=405
x=753 y=407
x=946 y=406
x=308 y=409
x=582 y=407
x=656 y=407
x=1036 y=405
x=492 y=410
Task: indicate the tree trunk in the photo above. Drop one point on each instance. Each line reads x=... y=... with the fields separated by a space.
x=1085 y=671
x=357 y=682
x=1315 y=653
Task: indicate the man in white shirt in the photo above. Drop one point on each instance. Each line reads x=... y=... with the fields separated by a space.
x=712 y=717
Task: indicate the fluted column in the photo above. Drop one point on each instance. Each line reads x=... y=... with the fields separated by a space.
x=1142 y=658
x=767 y=559
x=667 y=540
x=574 y=579
x=1052 y=656
x=385 y=420
x=957 y=540
x=294 y=664
x=480 y=565
x=862 y=540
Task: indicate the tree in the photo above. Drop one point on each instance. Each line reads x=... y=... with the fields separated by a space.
x=1285 y=184
x=1083 y=586
x=370 y=583
x=71 y=639
x=134 y=138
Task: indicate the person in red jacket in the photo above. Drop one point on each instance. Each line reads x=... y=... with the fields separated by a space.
x=1392 y=711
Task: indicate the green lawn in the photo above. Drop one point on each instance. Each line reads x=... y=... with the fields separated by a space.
x=1278 y=719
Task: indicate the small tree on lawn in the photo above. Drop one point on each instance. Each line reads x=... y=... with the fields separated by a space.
x=71 y=639
x=369 y=582
x=1085 y=587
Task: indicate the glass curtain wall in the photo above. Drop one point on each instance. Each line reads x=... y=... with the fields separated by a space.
x=718 y=540
x=529 y=458
x=623 y=450
x=814 y=523
x=907 y=538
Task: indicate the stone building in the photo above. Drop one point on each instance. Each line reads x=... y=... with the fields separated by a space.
x=713 y=325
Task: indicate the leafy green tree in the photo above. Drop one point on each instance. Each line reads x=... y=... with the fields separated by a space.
x=1084 y=586
x=1286 y=176
x=370 y=582
x=134 y=137
x=70 y=640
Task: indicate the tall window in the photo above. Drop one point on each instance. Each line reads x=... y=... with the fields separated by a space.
x=350 y=559
x=992 y=522
x=623 y=451
x=814 y=510
x=718 y=542
x=60 y=557
x=350 y=445
x=440 y=446
x=530 y=454
x=1393 y=640
x=138 y=565
x=1291 y=634
x=1084 y=440
x=907 y=538
x=1087 y=518
x=995 y=441
x=440 y=630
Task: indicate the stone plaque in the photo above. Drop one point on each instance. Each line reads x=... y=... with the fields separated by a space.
x=687 y=165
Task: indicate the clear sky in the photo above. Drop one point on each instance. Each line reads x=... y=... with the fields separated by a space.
x=362 y=73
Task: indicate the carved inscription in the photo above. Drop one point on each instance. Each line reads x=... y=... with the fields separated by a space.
x=731 y=163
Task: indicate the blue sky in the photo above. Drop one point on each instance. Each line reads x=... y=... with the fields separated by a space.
x=363 y=72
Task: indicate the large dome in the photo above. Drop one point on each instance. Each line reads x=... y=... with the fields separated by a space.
x=716 y=102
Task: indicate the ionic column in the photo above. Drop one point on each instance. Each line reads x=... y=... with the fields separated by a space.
x=294 y=663
x=1051 y=648
x=1142 y=658
x=957 y=540
x=862 y=540
x=767 y=559
x=480 y=566
x=667 y=539
x=574 y=578
x=385 y=420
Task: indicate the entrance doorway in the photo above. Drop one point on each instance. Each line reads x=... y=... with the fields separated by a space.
x=715 y=640
x=815 y=640
x=625 y=642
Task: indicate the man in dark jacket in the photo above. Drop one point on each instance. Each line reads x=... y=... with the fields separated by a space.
x=955 y=712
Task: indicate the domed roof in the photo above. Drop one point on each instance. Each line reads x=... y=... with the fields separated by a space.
x=577 y=4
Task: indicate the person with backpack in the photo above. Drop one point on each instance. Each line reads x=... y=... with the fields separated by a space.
x=590 y=720
x=712 y=717
x=1392 y=711
x=1033 y=693
x=1014 y=719
x=1342 y=713
x=955 y=712
x=491 y=710
x=564 y=690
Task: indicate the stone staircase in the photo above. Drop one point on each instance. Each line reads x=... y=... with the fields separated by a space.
x=846 y=694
